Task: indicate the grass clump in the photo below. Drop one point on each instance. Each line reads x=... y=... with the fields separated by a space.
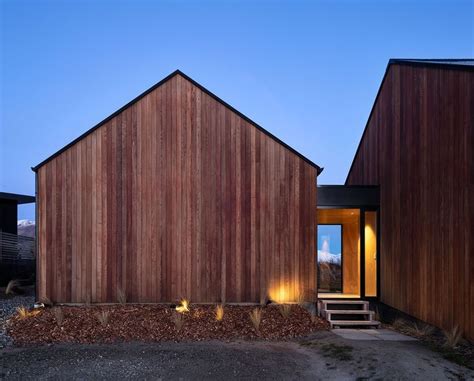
x=256 y=318
x=452 y=337
x=103 y=318
x=24 y=313
x=59 y=316
x=219 y=312
x=183 y=306
x=313 y=312
x=121 y=296
x=306 y=298
x=401 y=325
x=285 y=310
x=178 y=320
x=416 y=329
x=420 y=330
x=12 y=287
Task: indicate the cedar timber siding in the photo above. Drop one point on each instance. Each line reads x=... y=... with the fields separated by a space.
x=418 y=146
x=176 y=196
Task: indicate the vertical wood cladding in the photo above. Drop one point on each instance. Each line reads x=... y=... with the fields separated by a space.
x=418 y=146
x=176 y=196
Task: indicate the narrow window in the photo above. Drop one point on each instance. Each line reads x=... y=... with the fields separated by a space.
x=330 y=258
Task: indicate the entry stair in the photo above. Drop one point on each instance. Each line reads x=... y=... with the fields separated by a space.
x=347 y=313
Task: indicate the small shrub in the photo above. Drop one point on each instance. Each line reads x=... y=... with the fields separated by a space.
x=121 y=296
x=59 y=316
x=103 y=318
x=219 y=312
x=178 y=320
x=452 y=337
x=256 y=318
x=23 y=313
x=285 y=310
x=12 y=287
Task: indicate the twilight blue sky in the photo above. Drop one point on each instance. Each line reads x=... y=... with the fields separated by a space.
x=334 y=235
x=307 y=71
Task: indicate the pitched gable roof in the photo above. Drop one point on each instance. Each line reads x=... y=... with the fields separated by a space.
x=202 y=88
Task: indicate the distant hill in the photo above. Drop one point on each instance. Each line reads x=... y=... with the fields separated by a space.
x=26 y=228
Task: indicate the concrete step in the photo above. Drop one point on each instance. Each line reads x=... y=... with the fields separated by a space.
x=354 y=323
x=348 y=315
x=355 y=312
x=342 y=301
x=328 y=314
x=354 y=305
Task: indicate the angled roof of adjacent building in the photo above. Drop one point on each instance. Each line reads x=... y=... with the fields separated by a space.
x=202 y=88
x=453 y=62
x=447 y=63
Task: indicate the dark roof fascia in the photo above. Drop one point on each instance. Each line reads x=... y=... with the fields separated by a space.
x=453 y=64
x=19 y=198
x=202 y=88
x=408 y=62
x=342 y=186
x=343 y=196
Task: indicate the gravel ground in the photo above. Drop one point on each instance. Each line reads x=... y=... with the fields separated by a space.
x=322 y=356
x=8 y=308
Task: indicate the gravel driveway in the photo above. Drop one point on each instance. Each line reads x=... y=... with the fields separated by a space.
x=322 y=356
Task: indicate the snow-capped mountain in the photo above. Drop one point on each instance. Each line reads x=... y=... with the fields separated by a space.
x=26 y=228
x=25 y=223
x=326 y=256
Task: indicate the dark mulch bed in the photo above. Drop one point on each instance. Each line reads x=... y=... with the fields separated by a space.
x=155 y=323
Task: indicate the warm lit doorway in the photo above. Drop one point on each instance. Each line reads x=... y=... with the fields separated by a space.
x=347 y=242
x=339 y=252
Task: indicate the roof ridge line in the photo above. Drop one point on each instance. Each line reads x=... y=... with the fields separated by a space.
x=155 y=86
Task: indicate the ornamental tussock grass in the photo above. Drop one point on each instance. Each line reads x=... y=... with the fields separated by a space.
x=103 y=318
x=285 y=310
x=219 y=312
x=256 y=318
